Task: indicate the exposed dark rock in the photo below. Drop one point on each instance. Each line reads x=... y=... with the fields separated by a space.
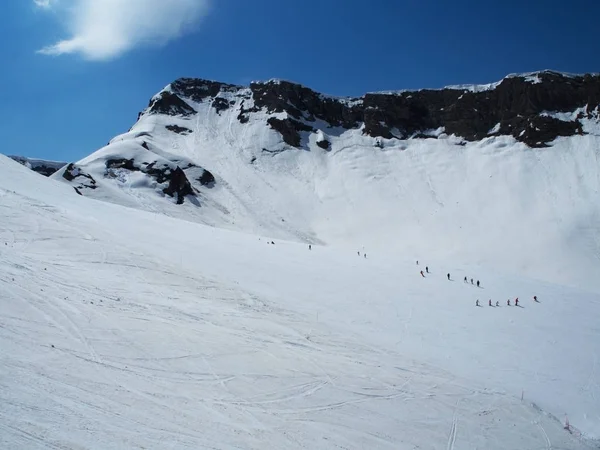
x=170 y=104
x=295 y=99
x=72 y=172
x=537 y=131
x=177 y=129
x=243 y=116
x=220 y=104
x=176 y=177
x=207 y=179
x=161 y=174
x=178 y=184
x=471 y=115
x=324 y=144
x=289 y=129
x=198 y=90
x=121 y=164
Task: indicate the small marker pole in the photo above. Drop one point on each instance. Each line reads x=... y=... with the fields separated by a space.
x=522 y=394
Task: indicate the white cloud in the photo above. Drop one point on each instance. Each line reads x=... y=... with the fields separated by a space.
x=42 y=3
x=105 y=29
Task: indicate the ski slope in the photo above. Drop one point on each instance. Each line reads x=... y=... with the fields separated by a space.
x=443 y=197
x=121 y=328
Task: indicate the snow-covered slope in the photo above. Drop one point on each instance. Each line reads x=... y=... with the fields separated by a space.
x=275 y=167
x=125 y=329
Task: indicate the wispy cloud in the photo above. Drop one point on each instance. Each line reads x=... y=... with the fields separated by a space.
x=42 y=3
x=105 y=29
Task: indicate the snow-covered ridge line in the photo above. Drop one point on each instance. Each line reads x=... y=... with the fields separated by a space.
x=488 y=86
x=36 y=161
x=532 y=77
x=41 y=166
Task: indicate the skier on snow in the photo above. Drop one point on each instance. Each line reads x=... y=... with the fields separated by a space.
x=422 y=274
x=517 y=301
x=477 y=303
x=497 y=304
x=477 y=283
x=471 y=280
x=427 y=269
x=465 y=279
x=508 y=302
x=490 y=302
x=448 y=276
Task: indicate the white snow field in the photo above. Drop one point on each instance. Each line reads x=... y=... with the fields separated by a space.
x=496 y=203
x=121 y=328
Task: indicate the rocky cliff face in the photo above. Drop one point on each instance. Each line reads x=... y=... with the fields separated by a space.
x=520 y=106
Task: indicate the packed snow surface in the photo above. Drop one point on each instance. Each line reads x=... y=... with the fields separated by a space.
x=121 y=328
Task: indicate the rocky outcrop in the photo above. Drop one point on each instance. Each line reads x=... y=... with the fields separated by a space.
x=324 y=144
x=303 y=103
x=170 y=104
x=83 y=180
x=177 y=129
x=207 y=179
x=289 y=129
x=199 y=90
x=179 y=185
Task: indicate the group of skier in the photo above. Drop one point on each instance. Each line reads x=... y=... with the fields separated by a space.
x=447 y=276
x=535 y=299
x=478 y=284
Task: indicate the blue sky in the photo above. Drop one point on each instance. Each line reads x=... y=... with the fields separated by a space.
x=113 y=55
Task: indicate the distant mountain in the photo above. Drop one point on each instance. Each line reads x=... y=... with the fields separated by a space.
x=40 y=166
x=450 y=172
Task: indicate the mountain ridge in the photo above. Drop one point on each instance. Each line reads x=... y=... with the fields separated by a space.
x=512 y=106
